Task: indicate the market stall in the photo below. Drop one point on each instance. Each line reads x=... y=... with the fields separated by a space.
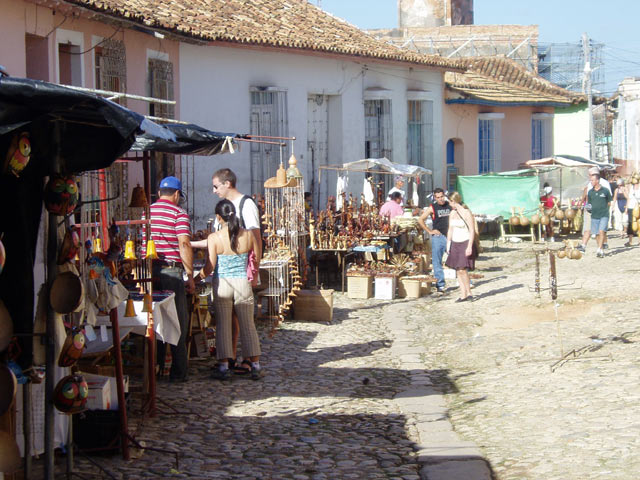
x=378 y=245
x=54 y=131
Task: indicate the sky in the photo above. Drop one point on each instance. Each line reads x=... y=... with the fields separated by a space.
x=613 y=22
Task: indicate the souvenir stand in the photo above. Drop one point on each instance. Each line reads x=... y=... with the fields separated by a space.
x=345 y=228
x=65 y=132
x=285 y=230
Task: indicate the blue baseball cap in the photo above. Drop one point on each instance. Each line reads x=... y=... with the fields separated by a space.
x=172 y=182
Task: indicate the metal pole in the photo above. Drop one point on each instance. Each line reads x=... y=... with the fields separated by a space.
x=50 y=361
x=122 y=406
x=26 y=428
x=587 y=77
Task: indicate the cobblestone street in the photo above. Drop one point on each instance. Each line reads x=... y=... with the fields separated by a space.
x=427 y=388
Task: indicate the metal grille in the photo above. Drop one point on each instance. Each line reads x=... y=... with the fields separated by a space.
x=161 y=86
x=541 y=131
x=268 y=117
x=111 y=67
x=489 y=151
x=111 y=75
x=378 y=129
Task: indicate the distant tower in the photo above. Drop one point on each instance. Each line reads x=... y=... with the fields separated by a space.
x=434 y=13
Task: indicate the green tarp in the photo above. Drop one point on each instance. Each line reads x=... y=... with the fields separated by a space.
x=495 y=195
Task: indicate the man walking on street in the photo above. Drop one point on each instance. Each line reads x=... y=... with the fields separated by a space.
x=600 y=200
x=171 y=233
x=439 y=212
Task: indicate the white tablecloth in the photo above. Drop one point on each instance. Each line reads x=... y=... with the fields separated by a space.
x=165 y=319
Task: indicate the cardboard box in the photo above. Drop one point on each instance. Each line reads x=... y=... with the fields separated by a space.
x=97 y=382
x=359 y=287
x=385 y=288
x=200 y=347
x=313 y=305
x=99 y=393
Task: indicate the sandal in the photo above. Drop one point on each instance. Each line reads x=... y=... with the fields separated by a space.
x=243 y=369
x=218 y=374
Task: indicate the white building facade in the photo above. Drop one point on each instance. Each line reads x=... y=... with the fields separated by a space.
x=626 y=123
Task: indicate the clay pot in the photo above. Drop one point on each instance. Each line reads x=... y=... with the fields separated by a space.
x=570 y=213
x=545 y=219
x=8 y=388
x=61 y=194
x=535 y=219
x=559 y=214
x=561 y=253
x=10 y=460
x=524 y=221
x=66 y=293
x=514 y=221
x=636 y=211
x=575 y=255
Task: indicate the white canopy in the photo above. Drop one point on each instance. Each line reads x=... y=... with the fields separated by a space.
x=384 y=164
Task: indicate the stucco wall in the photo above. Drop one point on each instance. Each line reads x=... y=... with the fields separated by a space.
x=215 y=93
x=571 y=131
x=460 y=121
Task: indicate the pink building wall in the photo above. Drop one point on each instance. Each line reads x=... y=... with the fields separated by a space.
x=460 y=123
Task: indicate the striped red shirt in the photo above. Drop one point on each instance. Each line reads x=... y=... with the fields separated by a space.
x=168 y=222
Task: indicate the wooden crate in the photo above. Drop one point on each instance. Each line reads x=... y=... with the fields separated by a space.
x=360 y=287
x=313 y=305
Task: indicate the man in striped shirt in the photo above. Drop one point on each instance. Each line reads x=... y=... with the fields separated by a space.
x=171 y=233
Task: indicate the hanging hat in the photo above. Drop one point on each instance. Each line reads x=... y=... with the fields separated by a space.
x=280 y=180
x=72 y=348
x=66 y=293
x=8 y=388
x=70 y=394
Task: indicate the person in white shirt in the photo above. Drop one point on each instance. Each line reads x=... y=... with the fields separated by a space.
x=398 y=188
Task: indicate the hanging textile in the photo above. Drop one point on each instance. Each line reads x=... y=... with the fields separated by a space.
x=415 y=199
x=367 y=191
x=341 y=187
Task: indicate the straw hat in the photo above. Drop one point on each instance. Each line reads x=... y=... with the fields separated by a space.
x=66 y=293
x=6 y=327
x=10 y=460
x=8 y=388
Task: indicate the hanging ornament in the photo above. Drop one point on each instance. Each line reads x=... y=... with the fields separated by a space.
x=147 y=303
x=18 y=155
x=130 y=310
x=61 y=194
x=98 y=244
x=72 y=348
x=129 y=250
x=70 y=394
x=151 y=250
x=69 y=247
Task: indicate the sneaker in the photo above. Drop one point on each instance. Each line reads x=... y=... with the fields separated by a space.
x=600 y=254
x=218 y=374
x=581 y=248
x=441 y=289
x=605 y=246
x=256 y=374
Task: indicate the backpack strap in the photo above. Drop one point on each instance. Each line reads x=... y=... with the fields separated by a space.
x=244 y=199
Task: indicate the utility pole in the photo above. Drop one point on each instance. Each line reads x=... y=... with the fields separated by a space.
x=586 y=88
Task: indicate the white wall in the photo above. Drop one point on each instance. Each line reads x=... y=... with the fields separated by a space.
x=628 y=121
x=571 y=131
x=214 y=93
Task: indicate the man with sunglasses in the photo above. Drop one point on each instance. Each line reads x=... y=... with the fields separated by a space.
x=439 y=212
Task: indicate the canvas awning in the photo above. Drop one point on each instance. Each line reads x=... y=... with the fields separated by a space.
x=385 y=165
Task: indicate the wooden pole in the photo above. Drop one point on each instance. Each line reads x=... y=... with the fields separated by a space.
x=122 y=406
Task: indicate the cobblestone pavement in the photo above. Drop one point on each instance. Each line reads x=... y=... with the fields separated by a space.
x=428 y=388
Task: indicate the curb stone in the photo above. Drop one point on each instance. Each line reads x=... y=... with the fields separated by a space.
x=442 y=455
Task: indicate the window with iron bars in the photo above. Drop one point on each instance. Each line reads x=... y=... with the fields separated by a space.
x=420 y=133
x=269 y=117
x=489 y=145
x=541 y=137
x=378 y=140
x=161 y=87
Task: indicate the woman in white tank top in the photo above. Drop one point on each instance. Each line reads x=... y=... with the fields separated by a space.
x=460 y=244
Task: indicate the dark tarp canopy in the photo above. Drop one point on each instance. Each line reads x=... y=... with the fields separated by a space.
x=189 y=139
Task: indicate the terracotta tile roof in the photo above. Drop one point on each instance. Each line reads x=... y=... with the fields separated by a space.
x=294 y=24
x=501 y=80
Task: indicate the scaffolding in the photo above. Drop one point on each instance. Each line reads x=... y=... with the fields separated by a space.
x=563 y=64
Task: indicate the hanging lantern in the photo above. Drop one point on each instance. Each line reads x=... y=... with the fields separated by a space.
x=129 y=251
x=138 y=198
x=151 y=250
x=61 y=194
x=147 y=303
x=129 y=310
x=98 y=244
x=18 y=155
x=70 y=394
